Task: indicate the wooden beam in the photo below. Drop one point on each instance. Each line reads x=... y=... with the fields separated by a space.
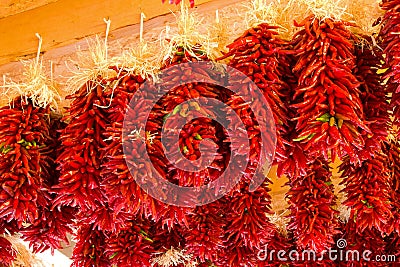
x=124 y=36
x=66 y=21
x=12 y=7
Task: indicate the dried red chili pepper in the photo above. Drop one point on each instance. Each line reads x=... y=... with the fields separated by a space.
x=311 y=198
x=329 y=115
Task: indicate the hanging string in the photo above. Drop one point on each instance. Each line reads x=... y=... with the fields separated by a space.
x=142 y=17
x=39 y=48
x=108 y=23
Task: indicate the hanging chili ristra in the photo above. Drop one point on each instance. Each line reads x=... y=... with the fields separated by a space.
x=124 y=196
x=368 y=186
x=373 y=96
x=259 y=54
x=329 y=112
x=53 y=226
x=368 y=192
x=360 y=242
x=80 y=159
x=311 y=198
x=204 y=236
x=24 y=135
x=178 y=106
x=392 y=150
x=390 y=42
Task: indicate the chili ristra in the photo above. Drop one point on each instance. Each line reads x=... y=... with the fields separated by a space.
x=24 y=134
x=329 y=112
x=79 y=163
x=367 y=240
x=389 y=41
x=373 y=96
x=260 y=55
x=311 y=199
x=392 y=150
x=368 y=192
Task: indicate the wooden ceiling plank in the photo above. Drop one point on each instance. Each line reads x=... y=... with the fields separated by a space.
x=65 y=21
x=12 y=7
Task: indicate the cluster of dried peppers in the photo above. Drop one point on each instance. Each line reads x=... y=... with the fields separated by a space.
x=28 y=149
x=329 y=112
x=311 y=198
x=389 y=40
x=124 y=196
x=260 y=55
x=80 y=161
x=368 y=186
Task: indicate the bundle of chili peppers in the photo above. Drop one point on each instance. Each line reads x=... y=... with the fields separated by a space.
x=311 y=198
x=260 y=55
x=368 y=185
x=391 y=44
x=368 y=192
x=204 y=236
x=28 y=172
x=24 y=135
x=248 y=229
x=373 y=96
x=130 y=246
x=90 y=248
x=80 y=159
x=124 y=196
x=392 y=150
x=329 y=111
